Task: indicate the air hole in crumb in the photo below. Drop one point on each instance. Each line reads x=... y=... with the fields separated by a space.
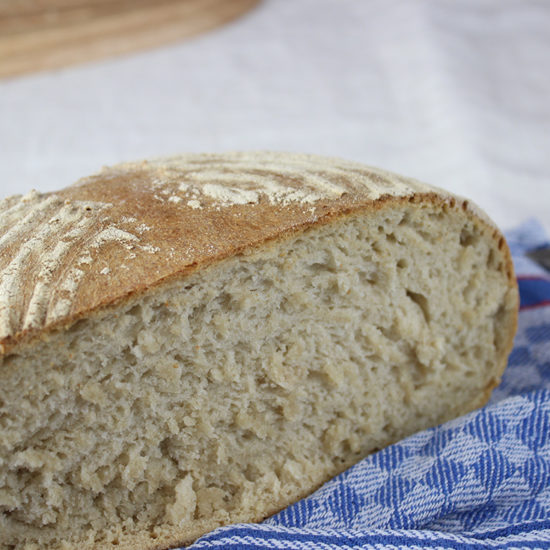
x=135 y=311
x=422 y=302
x=77 y=326
x=9 y=359
x=370 y=278
x=247 y=435
x=390 y=333
x=467 y=238
x=428 y=237
x=492 y=261
x=405 y=219
x=224 y=300
x=376 y=247
x=319 y=267
x=402 y=263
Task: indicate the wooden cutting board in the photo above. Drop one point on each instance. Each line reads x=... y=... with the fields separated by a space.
x=37 y=35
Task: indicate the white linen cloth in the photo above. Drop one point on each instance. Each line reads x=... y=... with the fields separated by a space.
x=455 y=93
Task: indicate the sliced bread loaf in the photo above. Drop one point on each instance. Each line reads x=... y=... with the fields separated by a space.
x=199 y=340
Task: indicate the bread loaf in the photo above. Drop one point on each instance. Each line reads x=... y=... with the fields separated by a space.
x=204 y=339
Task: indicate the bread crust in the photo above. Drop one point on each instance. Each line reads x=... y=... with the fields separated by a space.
x=133 y=227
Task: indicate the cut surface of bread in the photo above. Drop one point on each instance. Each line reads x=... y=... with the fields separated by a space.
x=203 y=340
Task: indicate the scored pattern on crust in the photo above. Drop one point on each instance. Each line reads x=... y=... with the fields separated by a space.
x=245 y=178
x=49 y=240
x=131 y=226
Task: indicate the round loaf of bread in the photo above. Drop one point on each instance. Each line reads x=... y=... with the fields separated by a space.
x=204 y=339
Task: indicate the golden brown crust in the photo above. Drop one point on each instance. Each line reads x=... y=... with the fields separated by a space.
x=127 y=229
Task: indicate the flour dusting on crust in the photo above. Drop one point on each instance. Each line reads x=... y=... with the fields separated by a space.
x=132 y=225
x=231 y=179
x=44 y=233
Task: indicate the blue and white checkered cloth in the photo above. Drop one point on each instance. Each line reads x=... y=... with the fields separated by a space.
x=480 y=481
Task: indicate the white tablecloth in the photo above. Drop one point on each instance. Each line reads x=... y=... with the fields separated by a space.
x=455 y=93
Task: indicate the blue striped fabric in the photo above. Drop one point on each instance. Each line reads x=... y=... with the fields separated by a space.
x=531 y=289
x=480 y=481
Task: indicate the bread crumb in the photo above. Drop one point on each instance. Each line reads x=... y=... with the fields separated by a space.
x=185 y=502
